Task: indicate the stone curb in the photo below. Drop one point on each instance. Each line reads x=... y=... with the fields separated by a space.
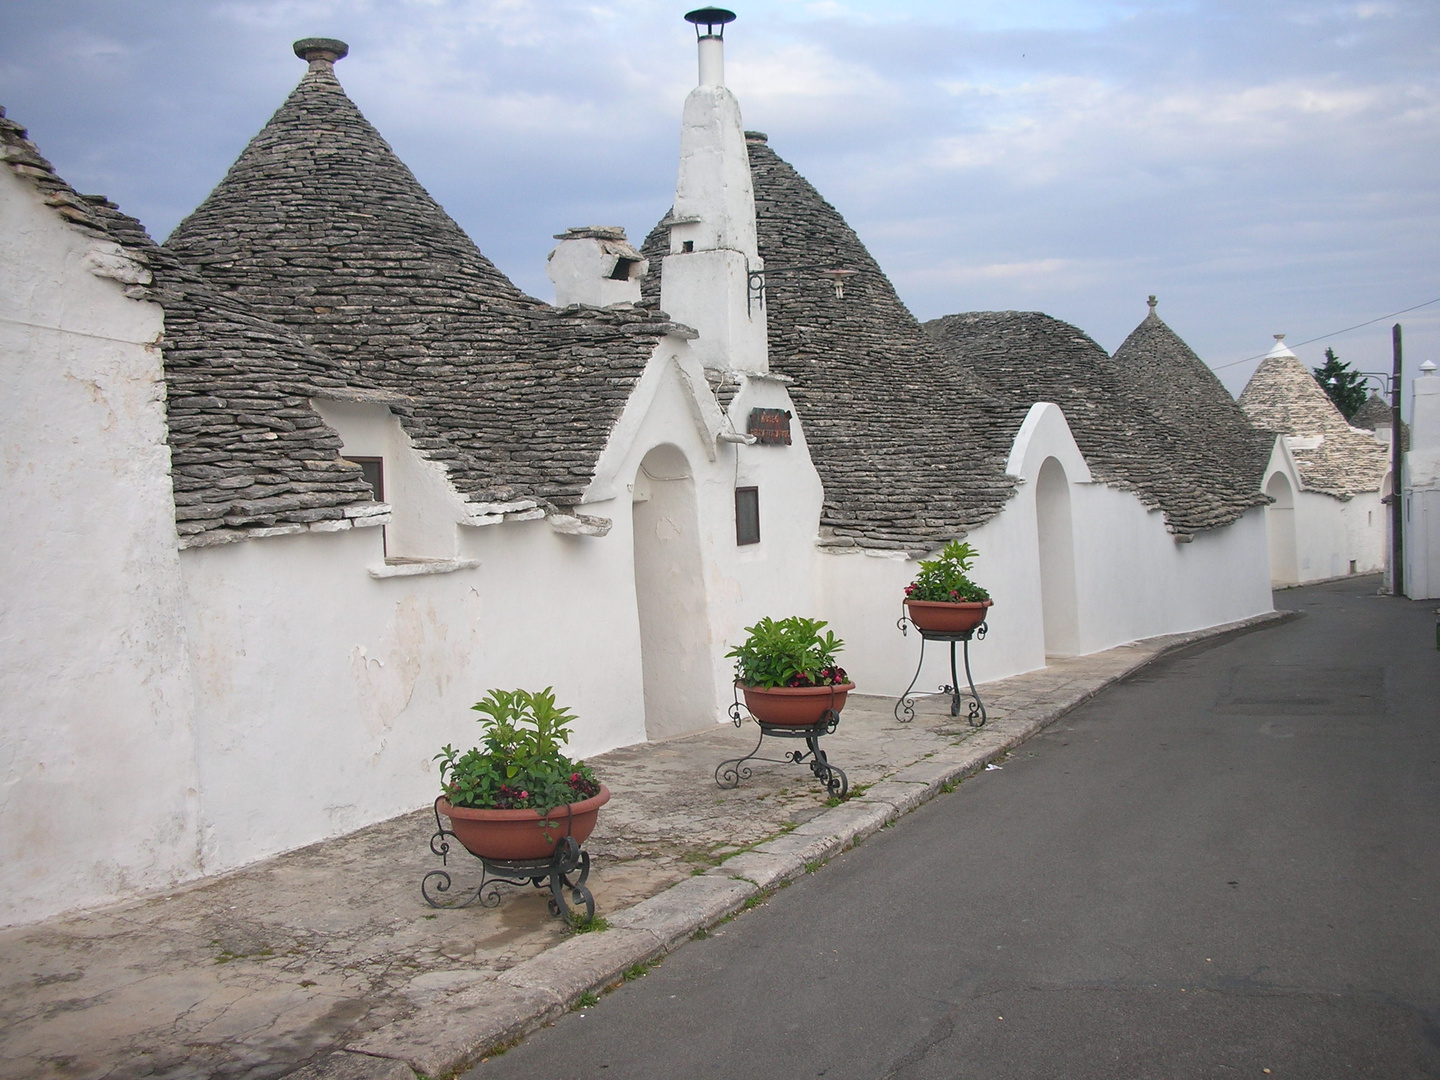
x=447 y=1038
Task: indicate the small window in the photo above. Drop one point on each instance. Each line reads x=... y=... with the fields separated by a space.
x=623 y=268
x=374 y=470
x=747 y=515
x=687 y=246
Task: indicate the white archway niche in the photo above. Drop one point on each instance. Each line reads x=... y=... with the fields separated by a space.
x=1056 y=539
x=670 y=597
x=1280 y=530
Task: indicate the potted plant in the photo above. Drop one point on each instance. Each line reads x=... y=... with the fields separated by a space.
x=516 y=796
x=942 y=599
x=787 y=671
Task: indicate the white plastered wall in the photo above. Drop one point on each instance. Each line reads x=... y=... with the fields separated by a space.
x=97 y=772
x=1132 y=580
x=339 y=687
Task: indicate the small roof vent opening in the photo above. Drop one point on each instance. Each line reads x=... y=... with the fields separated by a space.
x=624 y=269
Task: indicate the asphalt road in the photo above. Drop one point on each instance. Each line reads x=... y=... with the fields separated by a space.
x=1226 y=866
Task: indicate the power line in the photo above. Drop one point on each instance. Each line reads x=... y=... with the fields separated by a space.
x=1333 y=333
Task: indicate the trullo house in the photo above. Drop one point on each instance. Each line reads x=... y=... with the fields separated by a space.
x=1327 y=480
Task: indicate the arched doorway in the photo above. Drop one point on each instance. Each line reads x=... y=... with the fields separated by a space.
x=1057 y=560
x=670 y=597
x=1280 y=529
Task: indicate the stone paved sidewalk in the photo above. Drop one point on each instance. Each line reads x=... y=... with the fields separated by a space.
x=326 y=962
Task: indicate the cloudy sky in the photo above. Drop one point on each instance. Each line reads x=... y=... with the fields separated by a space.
x=1263 y=166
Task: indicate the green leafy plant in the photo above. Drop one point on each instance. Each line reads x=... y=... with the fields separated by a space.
x=945 y=578
x=788 y=652
x=520 y=763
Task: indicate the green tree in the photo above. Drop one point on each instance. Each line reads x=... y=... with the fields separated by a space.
x=1346 y=388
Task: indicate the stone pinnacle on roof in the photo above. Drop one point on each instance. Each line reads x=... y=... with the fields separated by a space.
x=1280 y=348
x=319 y=50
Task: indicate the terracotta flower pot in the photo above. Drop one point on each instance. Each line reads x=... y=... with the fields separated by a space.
x=518 y=835
x=947 y=618
x=794 y=706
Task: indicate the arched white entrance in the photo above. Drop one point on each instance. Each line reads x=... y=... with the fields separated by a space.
x=1057 y=560
x=1280 y=528
x=670 y=597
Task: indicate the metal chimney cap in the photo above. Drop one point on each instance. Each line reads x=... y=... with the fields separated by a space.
x=710 y=18
x=320 y=48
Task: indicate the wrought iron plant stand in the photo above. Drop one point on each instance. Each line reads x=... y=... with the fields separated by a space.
x=564 y=872
x=728 y=774
x=975 y=713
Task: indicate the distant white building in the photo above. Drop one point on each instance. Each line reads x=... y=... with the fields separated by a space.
x=288 y=493
x=1422 y=489
x=1328 y=479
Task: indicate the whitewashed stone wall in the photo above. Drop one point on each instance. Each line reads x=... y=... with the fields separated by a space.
x=97 y=763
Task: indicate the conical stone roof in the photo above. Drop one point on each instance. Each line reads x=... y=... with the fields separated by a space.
x=1374 y=413
x=1159 y=368
x=1028 y=356
x=1283 y=396
x=909 y=445
x=319 y=227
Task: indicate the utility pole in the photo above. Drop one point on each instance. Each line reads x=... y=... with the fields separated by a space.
x=1397 y=509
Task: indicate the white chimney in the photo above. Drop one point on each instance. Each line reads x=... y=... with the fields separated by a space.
x=712 y=42
x=712 y=279
x=595 y=266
